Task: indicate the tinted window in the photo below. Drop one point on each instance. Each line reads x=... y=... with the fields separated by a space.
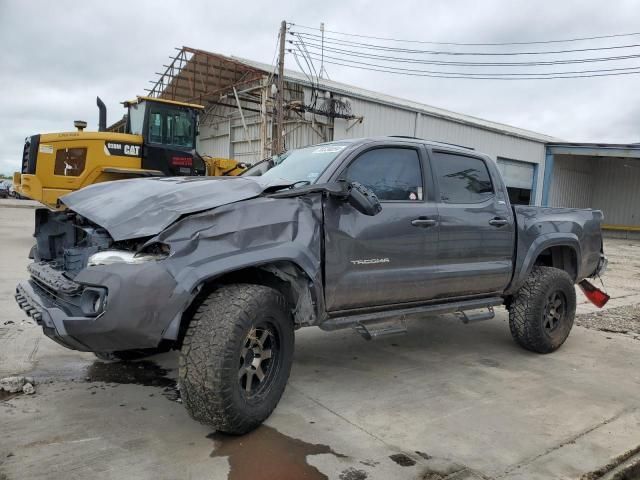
x=462 y=179
x=392 y=173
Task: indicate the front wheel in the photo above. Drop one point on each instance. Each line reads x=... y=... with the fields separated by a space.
x=236 y=357
x=542 y=311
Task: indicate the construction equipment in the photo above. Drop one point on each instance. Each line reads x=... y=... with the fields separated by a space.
x=157 y=137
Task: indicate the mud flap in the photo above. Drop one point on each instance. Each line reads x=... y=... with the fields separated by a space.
x=594 y=294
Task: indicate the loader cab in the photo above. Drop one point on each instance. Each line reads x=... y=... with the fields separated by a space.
x=168 y=130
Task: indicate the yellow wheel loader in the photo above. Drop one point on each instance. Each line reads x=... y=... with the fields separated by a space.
x=157 y=138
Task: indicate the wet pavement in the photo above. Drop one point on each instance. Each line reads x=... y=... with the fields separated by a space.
x=446 y=401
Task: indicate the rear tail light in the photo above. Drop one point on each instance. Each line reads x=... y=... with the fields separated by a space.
x=594 y=294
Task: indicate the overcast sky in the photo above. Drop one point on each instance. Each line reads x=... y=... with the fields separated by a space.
x=59 y=55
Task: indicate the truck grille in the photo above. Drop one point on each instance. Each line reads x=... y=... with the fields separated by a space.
x=30 y=154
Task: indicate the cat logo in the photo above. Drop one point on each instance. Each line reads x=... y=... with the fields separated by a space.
x=131 y=150
x=122 y=149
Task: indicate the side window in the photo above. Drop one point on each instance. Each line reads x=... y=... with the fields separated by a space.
x=462 y=179
x=155 y=127
x=392 y=173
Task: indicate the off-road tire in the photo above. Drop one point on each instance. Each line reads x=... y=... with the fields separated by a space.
x=528 y=310
x=211 y=357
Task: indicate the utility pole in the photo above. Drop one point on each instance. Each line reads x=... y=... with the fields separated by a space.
x=278 y=143
x=321 y=50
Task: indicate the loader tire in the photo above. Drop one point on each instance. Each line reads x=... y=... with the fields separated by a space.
x=542 y=311
x=236 y=357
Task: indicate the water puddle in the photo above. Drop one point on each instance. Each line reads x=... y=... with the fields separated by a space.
x=141 y=372
x=266 y=454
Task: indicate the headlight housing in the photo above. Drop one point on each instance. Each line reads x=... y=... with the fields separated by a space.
x=109 y=257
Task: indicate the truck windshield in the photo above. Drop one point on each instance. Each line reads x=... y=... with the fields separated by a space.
x=304 y=164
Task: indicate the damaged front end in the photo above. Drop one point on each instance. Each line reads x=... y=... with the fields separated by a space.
x=91 y=293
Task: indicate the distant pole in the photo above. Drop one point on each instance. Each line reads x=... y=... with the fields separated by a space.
x=322 y=49
x=279 y=140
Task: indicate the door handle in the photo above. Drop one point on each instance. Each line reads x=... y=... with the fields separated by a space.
x=423 y=222
x=498 y=221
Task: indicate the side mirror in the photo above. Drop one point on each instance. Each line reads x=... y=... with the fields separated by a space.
x=363 y=199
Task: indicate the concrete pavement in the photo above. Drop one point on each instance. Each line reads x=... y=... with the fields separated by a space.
x=445 y=401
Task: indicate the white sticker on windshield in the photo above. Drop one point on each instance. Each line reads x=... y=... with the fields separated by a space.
x=329 y=149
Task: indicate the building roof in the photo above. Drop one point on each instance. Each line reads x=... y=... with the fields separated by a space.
x=362 y=93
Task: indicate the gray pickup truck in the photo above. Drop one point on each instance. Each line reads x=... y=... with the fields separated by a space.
x=351 y=234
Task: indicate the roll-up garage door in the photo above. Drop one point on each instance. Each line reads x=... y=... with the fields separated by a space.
x=516 y=174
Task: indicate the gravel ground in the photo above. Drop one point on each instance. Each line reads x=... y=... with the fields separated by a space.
x=625 y=319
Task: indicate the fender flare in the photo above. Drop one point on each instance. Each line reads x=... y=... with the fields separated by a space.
x=540 y=244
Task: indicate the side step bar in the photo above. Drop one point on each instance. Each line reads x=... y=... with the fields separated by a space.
x=368 y=332
x=351 y=321
x=476 y=317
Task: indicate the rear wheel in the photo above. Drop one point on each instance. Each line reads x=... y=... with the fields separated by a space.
x=542 y=312
x=236 y=357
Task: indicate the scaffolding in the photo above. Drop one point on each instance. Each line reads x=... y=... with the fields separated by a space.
x=240 y=104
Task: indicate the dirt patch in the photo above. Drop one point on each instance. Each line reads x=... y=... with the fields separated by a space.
x=426 y=456
x=353 y=474
x=143 y=372
x=266 y=454
x=625 y=320
x=429 y=475
x=631 y=472
x=6 y=396
x=402 y=459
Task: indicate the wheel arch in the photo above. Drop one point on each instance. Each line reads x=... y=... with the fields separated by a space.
x=559 y=250
x=302 y=292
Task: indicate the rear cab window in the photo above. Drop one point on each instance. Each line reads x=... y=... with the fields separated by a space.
x=462 y=178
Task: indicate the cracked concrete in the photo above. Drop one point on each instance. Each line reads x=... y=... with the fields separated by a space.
x=459 y=401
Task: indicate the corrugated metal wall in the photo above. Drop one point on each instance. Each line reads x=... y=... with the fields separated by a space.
x=572 y=182
x=378 y=120
x=616 y=190
x=605 y=183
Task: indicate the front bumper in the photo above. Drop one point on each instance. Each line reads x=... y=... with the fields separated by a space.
x=141 y=303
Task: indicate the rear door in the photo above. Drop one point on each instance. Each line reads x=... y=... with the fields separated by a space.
x=477 y=229
x=386 y=258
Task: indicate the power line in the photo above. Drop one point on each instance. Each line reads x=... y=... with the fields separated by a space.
x=335 y=41
x=422 y=61
x=475 y=74
x=416 y=74
x=431 y=42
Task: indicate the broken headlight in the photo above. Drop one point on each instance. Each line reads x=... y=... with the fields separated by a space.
x=108 y=257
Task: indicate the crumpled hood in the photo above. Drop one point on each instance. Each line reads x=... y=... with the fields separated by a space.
x=144 y=207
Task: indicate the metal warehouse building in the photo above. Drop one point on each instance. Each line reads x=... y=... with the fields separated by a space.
x=538 y=169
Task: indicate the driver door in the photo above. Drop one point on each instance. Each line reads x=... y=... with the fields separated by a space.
x=387 y=258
